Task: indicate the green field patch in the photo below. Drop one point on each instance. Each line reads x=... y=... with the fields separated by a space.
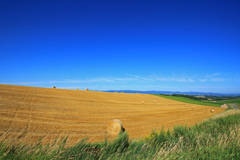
x=192 y=101
x=229 y=101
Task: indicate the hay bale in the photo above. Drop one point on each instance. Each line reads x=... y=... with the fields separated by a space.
x=186 y=105
x=193 y=107
x=212 y=110
x=142 y=102
x=54 y=87
x=114 y=127
x=77 y=88
x=87 y=89
x=224 y=106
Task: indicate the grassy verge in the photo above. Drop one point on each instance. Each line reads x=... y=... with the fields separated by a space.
x=230 y=101
x=188 y=100
x=237 y=104
x=203 y=102
x=217 y=138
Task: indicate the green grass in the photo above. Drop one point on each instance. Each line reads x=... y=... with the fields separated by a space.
x=229 y=101
x=237 y=104
x=202 y=102
x=188 y=100
x=217 y=138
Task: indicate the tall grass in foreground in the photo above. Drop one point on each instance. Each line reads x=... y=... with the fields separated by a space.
x=216 y=138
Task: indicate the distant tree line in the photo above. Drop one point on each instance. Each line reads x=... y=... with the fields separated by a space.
x=206 y=97
x=219 y=98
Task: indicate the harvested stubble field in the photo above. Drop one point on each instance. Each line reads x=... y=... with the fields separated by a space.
x=30 y=113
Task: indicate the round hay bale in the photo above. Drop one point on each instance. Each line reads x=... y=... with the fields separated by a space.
x=142 y=102
x=212 y=110
x=186 y=105
x=54 y=87
x=114 y=127
x=193 y=107
x=87 y=89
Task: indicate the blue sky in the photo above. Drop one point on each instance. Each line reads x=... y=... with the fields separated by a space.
x=171 y=45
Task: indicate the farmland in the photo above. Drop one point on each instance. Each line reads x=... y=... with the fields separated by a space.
x=30 y=113
x=217 y=103
x=192 y=101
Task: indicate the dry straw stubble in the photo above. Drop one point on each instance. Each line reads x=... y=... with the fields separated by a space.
x=48 y=113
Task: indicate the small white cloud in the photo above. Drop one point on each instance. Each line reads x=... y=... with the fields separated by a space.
x=216 y=74
x=191 y=80
x=161 y=79
x=203 y=80
x=124 y=79
x=175 y=79
x=217 y=79
x=181 y=79
x=24 y=83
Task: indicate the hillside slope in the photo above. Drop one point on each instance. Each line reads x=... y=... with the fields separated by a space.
x=29 y=113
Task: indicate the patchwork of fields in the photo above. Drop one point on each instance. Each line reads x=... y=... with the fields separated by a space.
x=30 y=113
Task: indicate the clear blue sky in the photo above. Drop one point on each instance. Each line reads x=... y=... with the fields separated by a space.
x=173 y=45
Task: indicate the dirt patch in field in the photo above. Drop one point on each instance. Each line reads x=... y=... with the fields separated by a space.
x=30 y=113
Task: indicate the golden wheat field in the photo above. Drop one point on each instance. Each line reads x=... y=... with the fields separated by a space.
x=30 y=113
